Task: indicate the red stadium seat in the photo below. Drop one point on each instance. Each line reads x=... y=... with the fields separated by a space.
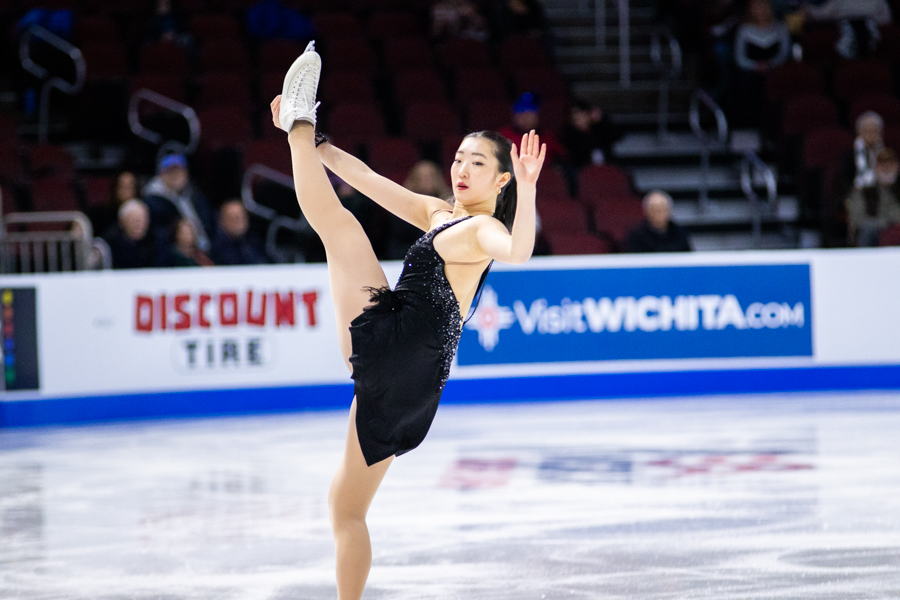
x=165 y=58
x=551 y=186
x=793 y=79
x=430 y=121
x=599 y=182
x=461 y=53
x=892 y=138
x=224 y=55
x=171 y=87
x=52 y=194
x=823 y=146
x=569 y=243
x=9 y=134
x=393 y=155
x=356 y=122
x=806 y=112
x=890 y=236
x=104 y=60
x=616 y=217
x=50 y=160
x=96 y=28
x=392 y=24
x=407 y=53
x=544 y=82
x=12 y=171
x=7 y=201
x=97 y=191
x=480 y=83
x=418 y=85
x=819 y=44
x=522 y=51
x=889 y=47
x=275 y=154
x=562 y=215
x=886 y=105
x=206 y=27
x=854 y=79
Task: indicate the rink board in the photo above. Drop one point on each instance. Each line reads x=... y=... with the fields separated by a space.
x=87 y=347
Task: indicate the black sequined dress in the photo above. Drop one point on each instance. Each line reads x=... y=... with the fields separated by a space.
x=403 y=345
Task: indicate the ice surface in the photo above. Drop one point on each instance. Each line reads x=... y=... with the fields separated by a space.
x=718 y=498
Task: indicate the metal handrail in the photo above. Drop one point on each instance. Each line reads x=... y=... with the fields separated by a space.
x=165 y=146
x=669 y=71
x=754 y=169
x=299 y=227
x=32 y=245
x=269 y=174
x=624 y=43
x=600 y=23
x=67 y=87
x=708 y=143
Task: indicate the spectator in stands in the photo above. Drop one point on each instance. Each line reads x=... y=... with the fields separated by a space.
x=123 y=187
x=165 y=24
x=723 y=18
x=761 y=43
x=185 y=252
x=517 y=17
x=588 y=135
x=858 y=21
x=525 y=118
x=171 y=197
x=132 y=243
x=873 y=208
x=424 y=178
x=457 y=19
x=657 y=232
x=857 y=168
x=235 y=244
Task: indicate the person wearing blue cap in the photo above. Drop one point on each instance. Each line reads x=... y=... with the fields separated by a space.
x=171 y=197
x=526 y=117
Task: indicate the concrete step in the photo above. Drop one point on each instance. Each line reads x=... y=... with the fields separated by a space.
x=585 y=72
x=641 y=98
x=680 y=144
x=592 y=54
x=732 y=212
x=685 y=179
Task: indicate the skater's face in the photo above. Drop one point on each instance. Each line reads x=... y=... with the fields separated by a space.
x=475 y=172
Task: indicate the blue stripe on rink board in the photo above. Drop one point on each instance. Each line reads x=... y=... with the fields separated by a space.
x=22 y=413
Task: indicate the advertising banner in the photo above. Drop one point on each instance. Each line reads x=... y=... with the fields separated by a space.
x=641 y=313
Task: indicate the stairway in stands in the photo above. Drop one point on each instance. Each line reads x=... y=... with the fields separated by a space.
x=672 y=162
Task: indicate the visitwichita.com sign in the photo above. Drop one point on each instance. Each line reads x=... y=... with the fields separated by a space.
x=641 y=313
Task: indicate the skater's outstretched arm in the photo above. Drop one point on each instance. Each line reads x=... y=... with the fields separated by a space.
x=416 y=209
x=492 y=236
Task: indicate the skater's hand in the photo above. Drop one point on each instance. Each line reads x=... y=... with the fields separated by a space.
x=527 y=163
x=276 y=110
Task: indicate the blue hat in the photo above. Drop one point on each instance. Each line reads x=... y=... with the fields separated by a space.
x=525 y=103
x=172 y=160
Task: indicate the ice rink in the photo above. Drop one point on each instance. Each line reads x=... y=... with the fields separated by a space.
x=721 y=498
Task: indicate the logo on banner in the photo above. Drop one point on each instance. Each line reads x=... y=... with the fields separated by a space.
x=681 y=312
x=226 y=330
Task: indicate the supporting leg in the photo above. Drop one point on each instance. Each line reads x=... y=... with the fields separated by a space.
x=351 y=493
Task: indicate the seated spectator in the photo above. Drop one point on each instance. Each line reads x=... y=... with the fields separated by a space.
x=424 y=178
x=171 y=196
x=857 y=168
x=235 y=244
x=132 y=243
x=123 y=187
x=517 y=17
x=525 y=118
x=457 y=19
x=874 y=208
x=858 y=21
x=761 y=43
x=588 y=135
x=657 y=232
x=185 y=252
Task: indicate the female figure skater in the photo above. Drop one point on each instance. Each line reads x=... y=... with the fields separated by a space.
x=399 y=343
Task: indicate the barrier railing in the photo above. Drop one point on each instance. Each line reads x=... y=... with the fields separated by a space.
x=46 y=251
x=165 y=146
x=600 y=36
x=709 y=142
x=259 y=171
x=754 y=170
x=50 y=81
x=668 y=72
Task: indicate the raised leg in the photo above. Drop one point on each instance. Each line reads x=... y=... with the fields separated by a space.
x=352 y=264
x=351 y=493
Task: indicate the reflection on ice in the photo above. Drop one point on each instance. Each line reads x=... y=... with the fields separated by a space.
x=728 y=498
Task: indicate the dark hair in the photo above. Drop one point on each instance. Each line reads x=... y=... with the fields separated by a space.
x=505 y=211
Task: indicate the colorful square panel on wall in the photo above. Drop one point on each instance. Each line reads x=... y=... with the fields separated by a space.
x=20 y=345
